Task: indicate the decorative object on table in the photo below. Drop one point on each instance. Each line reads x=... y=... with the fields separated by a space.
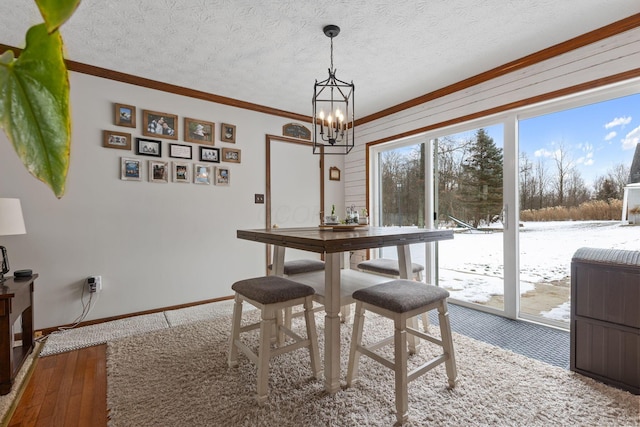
x=180 y=151
x=130 y=169
x=160 y=125
x=158 y=171
x=333 y=218
x=333 y=110
x=210 y=154
x=364 y=217
x=296 y=130
x=11 y=223
x=231 y=155
x=119 y=140
x=181 y=172
x=201 y=174
x=124 y=115
x=352 y=215
x=222 y=176
x=149 y=147
x=198 y=131
x=228 y=133
x=334 y=173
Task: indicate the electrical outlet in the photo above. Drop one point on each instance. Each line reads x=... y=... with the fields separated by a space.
x=94 y=283
x=259 y=198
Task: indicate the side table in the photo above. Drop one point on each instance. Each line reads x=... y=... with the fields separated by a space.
x=16 y=299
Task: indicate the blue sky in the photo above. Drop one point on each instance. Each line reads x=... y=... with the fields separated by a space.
x=596 y=137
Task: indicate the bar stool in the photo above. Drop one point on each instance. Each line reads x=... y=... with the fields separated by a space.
x=270 y=294
x=391 y=268
x=301 y=266
x=400 y=300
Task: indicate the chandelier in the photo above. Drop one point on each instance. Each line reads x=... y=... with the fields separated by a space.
x=333 y=113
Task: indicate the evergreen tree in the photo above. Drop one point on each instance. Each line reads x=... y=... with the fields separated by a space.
x=481 y=181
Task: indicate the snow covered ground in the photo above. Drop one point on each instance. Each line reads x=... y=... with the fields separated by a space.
x=471 y=265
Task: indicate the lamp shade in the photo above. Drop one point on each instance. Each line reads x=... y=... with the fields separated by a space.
x=11 y=220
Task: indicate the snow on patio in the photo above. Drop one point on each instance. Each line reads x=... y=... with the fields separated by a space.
x=471 y=265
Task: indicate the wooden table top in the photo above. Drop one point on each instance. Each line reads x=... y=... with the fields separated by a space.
x=323 y=240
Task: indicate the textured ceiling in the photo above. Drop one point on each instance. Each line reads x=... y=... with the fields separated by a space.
x=270 y=52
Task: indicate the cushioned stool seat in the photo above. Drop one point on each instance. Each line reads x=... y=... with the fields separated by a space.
x=401 y=300
x=271 y=294
x=389 y=267
x=300 y=266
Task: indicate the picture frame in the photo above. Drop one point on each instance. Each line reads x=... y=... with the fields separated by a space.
x=228 y=133
x=181 y=172
x=130 y=169
x=158 y=171
x=180 y=151
x=160 y=125
x=202 y=174
x=222 y=176
x=334 y=173
x=119 y=140
x=199 y=131
x=124 y=115
x=210 y=154
x=149 y=147
x=231 y=155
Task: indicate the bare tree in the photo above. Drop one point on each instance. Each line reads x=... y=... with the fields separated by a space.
x=541 y=182
x=564 y=165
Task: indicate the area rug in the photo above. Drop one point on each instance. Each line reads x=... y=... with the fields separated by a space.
x=179 y=376
x=86 y=336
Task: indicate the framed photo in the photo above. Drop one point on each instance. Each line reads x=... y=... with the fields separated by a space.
x=334 y=173
x=198 y=131
x=231 y=155
x=208 y=154
x=228 y=133
x=181 y=172
x=130 y=169
x=158 y=171
x=180 y=151
x=160 y=125
x=222 y=176
x=202 y=174
x=118 y=140
x=149 y=147
x=124 y=115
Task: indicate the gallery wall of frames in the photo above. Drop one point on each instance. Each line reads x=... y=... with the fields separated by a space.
x=197 y=158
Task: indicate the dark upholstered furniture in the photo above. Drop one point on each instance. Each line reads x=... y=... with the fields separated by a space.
x=605 y=316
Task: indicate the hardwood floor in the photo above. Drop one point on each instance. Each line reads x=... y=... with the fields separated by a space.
x=66 y=390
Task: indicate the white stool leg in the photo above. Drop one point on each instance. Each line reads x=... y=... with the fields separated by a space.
x=312 y=336
x=235 y=332
x=345 y=312
x=264 y=352
x=356 y=340
x=400 y=363
x=447 y=343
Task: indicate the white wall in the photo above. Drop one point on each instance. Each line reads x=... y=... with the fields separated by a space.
x=155 y=245
x=601 y=59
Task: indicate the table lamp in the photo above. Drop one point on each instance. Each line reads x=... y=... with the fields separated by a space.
x=11 y=223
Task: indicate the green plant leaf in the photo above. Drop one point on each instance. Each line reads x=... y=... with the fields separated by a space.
x=56 y=12
x=34 y=107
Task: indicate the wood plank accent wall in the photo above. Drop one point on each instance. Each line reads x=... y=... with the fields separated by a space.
x=604 y=62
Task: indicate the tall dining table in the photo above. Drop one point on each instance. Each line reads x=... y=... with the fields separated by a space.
x=332 y=243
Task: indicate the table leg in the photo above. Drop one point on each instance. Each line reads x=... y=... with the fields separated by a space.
x=332 y=323
x=406 y=272
x=277 y=269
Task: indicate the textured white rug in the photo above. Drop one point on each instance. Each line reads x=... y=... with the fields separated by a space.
x=86 y=336
x=179 y=376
